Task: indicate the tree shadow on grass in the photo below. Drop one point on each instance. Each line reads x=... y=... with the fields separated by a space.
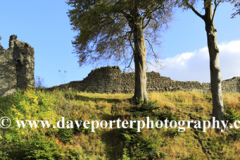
x=113 y=137
x=114 y=141
x=115 y=117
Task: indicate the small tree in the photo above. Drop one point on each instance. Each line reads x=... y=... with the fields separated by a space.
x=208 y=18
x=108 y=27
x=39 y=82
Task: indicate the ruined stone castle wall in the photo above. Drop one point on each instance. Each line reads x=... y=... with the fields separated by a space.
x=17 y=71
x=112 y=80
x=16 y=66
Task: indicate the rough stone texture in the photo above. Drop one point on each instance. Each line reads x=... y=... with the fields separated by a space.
x=16 y=66
x=112 y=80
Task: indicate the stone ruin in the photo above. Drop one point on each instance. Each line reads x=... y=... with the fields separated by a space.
x=16 y=66
x=17 y=71
x=112 y=80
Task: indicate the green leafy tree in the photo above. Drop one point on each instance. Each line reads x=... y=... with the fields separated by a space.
x=107 y=29
x=210 y=7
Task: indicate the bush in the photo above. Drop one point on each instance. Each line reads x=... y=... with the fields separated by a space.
x=34 y=143
x=233 y=112
x=141 y=145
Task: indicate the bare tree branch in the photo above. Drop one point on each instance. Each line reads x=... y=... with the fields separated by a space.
x=130 y=62
x=155 y=55
x=195 y=11
x=128 y=16
x=237 y=6
x=149 y=19
x=129 y=38
x=149 y=12
x=216 y=3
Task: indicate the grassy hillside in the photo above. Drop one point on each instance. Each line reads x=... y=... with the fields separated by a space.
x=81 y=143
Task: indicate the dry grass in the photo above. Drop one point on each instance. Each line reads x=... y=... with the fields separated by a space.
x=186 y=104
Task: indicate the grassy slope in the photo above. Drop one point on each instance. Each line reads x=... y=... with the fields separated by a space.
x=110 y=143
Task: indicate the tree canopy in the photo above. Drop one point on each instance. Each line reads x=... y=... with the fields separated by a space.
x=105 y=27
x=190 y=4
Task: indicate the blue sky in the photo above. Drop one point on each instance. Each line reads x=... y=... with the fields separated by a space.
x=46 y=27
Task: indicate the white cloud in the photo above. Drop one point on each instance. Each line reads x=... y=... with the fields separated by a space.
x=194 y=66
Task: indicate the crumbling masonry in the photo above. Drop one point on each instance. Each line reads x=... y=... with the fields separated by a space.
x=16 y=66
x=112 y=80
x=17 y=71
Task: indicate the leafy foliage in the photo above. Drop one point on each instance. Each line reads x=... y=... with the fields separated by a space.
x=33 y=143
x=233 y=111
x=144 y=144
x=105 y=27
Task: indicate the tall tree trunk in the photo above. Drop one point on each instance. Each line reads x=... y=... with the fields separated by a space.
x=139 y=58
x=216 y=88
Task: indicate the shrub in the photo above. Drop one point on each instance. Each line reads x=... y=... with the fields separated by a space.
x=34 y=143
x=144 y=144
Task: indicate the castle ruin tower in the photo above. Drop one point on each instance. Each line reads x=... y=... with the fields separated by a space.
x=23 y=56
